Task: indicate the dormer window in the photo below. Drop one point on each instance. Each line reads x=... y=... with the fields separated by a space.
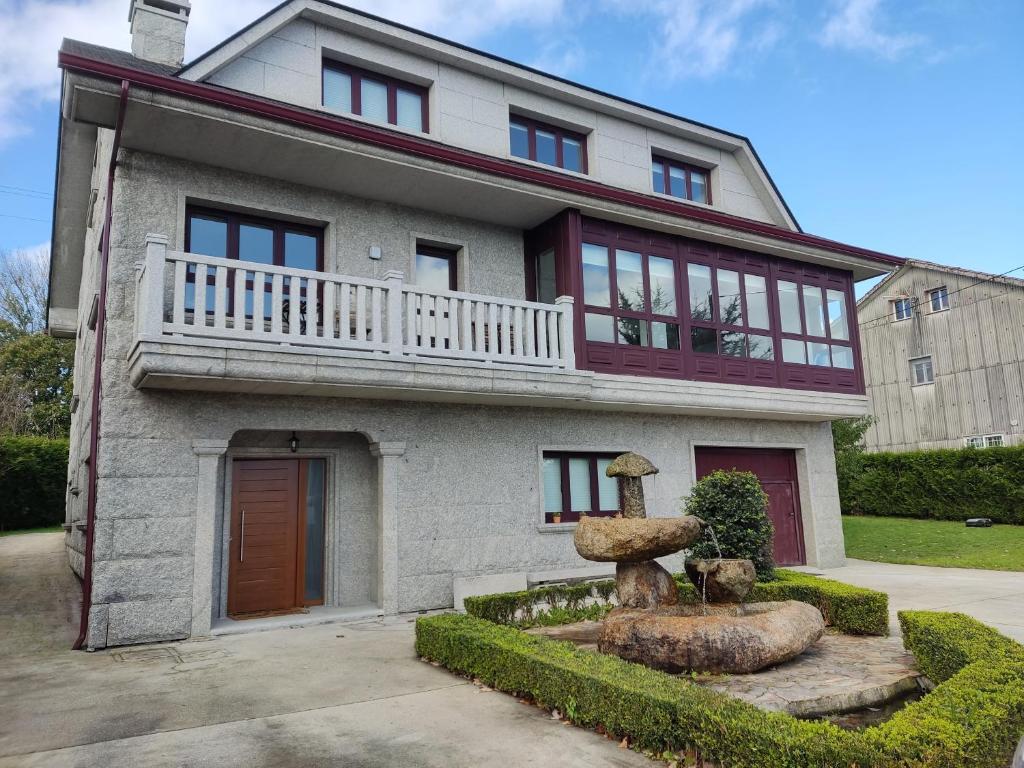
x=681 y=180
x=548 y=144
x=375 y=97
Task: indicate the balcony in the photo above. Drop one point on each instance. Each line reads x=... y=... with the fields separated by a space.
x=268 y=329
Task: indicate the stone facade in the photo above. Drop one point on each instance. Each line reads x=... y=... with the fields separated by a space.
x=423 y=493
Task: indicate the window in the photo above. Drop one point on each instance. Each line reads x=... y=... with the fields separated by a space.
x=575 y=484
x=681 y=180
x=375 y=97
x=921 y=371
x=547 y=144
x=736 y=305
x=249 y=239
x=545 y=288
x=903 y=309
x=820 y=317
x=436 y=267
x=993 y=441
x=644 y=312
x=974 y=442
x=938 y=299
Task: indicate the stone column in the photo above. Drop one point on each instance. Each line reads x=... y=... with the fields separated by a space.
x=388 y=456
x=208 y=454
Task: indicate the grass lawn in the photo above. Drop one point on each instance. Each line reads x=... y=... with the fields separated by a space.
x=934 y=542
x=52 y=529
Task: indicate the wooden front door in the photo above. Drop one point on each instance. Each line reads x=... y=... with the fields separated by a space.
x=776 y=469
x=270 y=542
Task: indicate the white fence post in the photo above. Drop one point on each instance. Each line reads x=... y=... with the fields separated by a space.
x=150 y=303
x=393 y=280
x=565 y=332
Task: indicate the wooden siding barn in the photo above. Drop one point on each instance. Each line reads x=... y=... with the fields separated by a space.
x=943 y=353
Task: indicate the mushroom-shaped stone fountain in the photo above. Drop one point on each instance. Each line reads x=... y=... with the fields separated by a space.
x=651 y=627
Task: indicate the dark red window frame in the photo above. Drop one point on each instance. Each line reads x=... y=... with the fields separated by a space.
x=716 y=323
x=234 y=221
x=441 y=252
x=567 y=232
x=647 y=314
x=569 y=516
x=532 y=126
x=393 y=85
x=688 y=171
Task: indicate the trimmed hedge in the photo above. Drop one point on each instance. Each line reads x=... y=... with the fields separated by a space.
x=940 y=485
x=853 y=610
x=972 y=719
x=33 y=479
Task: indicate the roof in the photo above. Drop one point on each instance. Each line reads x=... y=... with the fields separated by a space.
x=117 y=65
x=908 y=264
x=114 y=57
x=493 y=57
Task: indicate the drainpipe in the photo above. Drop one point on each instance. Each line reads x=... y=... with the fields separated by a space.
x=97 y=377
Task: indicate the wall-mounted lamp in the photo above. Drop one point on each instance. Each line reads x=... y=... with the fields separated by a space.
x=293 y=442
x=375 y=252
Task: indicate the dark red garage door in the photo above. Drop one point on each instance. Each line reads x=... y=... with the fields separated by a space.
x=776 y=469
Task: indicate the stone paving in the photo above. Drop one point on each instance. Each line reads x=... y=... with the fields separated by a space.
x=839 y=673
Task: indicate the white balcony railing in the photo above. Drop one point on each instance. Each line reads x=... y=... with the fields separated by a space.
x=284 y=307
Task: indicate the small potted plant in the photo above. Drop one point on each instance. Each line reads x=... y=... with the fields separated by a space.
x=556 y=517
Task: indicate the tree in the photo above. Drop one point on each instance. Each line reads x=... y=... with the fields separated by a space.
x=735 y=507
x=848 y=441
x=24 y=285
x=35 y=369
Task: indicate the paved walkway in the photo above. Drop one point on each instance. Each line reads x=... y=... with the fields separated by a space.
x=995 y=597
x=346 y=695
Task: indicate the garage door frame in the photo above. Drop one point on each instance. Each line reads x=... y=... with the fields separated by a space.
x=809 y=534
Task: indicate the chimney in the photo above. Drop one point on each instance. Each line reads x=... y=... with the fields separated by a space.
x=158 y=30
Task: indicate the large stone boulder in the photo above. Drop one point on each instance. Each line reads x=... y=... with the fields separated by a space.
x=632 y=539
x=721 y=581
x=644 y=585
x=730 y=639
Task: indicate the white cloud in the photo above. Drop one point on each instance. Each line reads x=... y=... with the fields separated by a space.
x=31 y=31
x=702 y=38
x=854 y=27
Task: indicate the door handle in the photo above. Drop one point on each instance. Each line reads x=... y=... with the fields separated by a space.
x=241 y=545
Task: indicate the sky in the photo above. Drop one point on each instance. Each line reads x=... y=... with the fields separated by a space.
x=894 y=125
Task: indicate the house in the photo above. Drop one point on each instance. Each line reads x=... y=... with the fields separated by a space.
x=363 y=313
x=943 y=358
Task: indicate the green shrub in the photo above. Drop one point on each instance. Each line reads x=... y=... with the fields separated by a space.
x=945 y=643
x=735 y=506
x=853 y=610
x=33 y=479
x=940 y=485
x=971 y=719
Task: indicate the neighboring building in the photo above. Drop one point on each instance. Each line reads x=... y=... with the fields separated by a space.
x=440 y=291
x=943 y=358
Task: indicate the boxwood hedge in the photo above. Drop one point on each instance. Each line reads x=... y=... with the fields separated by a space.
x=853 y=610
x=941 y=485
x=970 y=719
x=33 y=479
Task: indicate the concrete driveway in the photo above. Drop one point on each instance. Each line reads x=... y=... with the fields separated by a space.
x=351 y=695
x=994 y=597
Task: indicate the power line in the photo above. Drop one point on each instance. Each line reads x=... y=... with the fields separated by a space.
x=26 y=195
x=23 y=218
x=25 y=190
